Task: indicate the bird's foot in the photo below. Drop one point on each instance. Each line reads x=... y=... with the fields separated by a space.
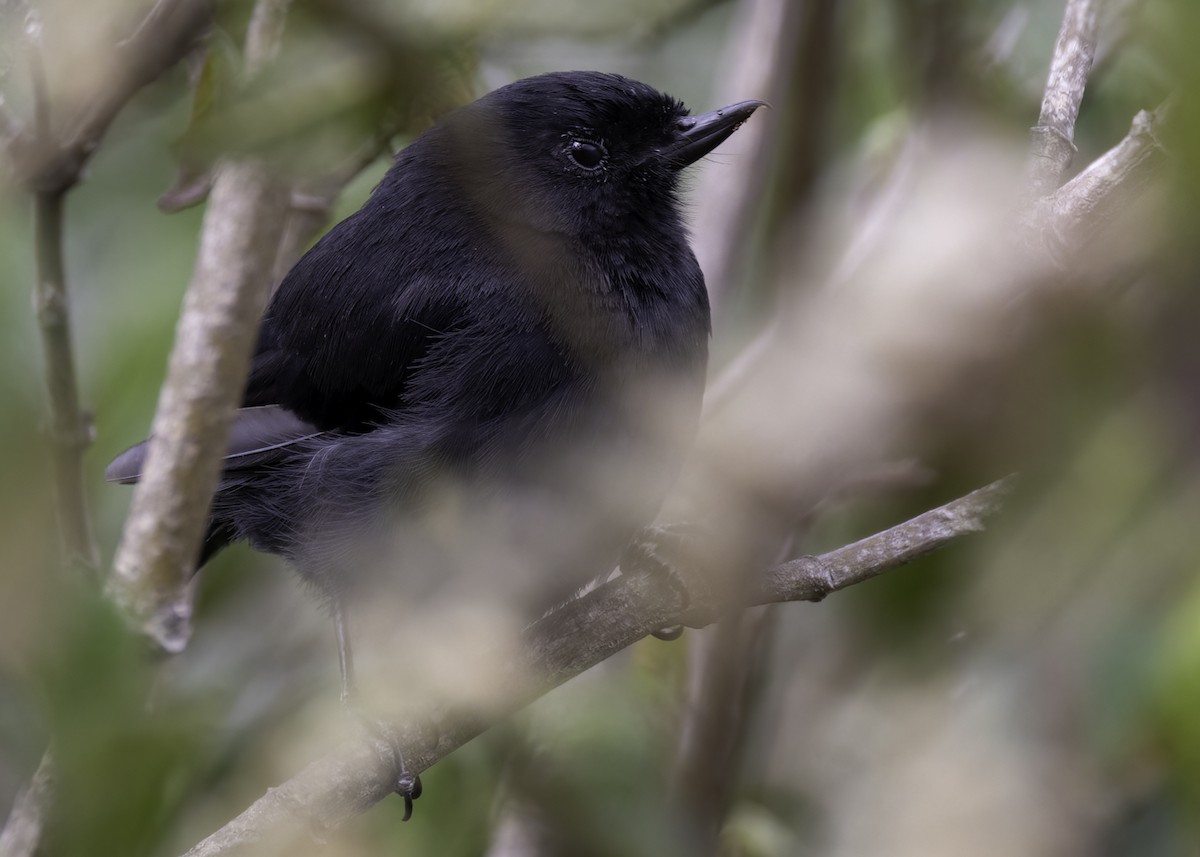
x=406 y=783
x=657 y=551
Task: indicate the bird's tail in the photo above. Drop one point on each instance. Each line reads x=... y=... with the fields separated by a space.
x=258 y=436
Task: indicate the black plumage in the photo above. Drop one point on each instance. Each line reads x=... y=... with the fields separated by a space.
x=499 y=324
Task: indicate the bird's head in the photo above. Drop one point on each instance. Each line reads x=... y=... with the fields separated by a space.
x=573 y=152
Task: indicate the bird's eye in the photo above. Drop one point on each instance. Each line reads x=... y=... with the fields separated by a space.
x=586 y=154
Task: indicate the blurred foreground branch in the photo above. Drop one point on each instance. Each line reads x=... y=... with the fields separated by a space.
x=167 y=33
x=564 y=644
x=50 y=160
x=759 y=64
x=313 y=201
x=23 y=830
x=70 y=429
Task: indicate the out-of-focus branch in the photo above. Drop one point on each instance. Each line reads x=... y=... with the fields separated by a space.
x=312 y=203
x=264 y=35
x=569 y=641
x=49 y=165
x=760 y=59
x=723 y=660
x=164 y=37
x=876 y=218
x=168 y=33
x=225 y=299
x=70 y=431
x=795 y=71
x=23 y=830
x=12 y=130
x=1117 y=19
x=1052 y=145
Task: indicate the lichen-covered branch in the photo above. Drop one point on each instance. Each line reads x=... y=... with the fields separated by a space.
x=225 y=299
x=230 y=285
x=1084 y=203
x=1053 y=138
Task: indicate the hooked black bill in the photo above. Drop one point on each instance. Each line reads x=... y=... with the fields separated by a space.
x=699 y=135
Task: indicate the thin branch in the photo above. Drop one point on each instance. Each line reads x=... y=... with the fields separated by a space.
x=723 y=661
x=50 y=168
x=767 y=33
x=164 y=37
x=230 y=285
x=1002 y=44
x=70 y=432
x=564 y=644
x=1117 y=21
x=312 y=202
x=12 y=130
x=23 y=830
x=264 y=35
x=168 y=33
x=812 y=578
x=225 y=299
x=1053 y=138
x=1081 y=206
x=875 y=219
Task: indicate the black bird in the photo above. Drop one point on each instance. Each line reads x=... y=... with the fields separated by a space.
x=513 y=327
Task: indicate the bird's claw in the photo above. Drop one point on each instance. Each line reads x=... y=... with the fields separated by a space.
x=408 y=786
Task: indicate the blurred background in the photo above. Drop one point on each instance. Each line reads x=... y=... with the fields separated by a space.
x=1032 y=690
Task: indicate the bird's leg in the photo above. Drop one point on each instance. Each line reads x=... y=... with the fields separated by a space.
x=345 y=656
x=408 y=785
x=645 y=555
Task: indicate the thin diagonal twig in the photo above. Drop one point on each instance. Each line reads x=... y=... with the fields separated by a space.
x=569 y=641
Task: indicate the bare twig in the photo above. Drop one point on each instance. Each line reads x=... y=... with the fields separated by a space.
x=723 y=660
x=1117 y=20
x=812 y=578
x=877 y=217
x=160 y=41
x=50 y=166
x=12 y=130
x=229 y=288
x=768 y=30
x=312 y=203
x=1002 y=44
x=70 y=432
x=1080 y=206
x=225 y=299
x=23 y=830
x=264 y=36
x=1052 y=145
x=578 y=636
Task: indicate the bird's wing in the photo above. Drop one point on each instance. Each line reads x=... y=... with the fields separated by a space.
x=256 y=434
x=353 y=319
